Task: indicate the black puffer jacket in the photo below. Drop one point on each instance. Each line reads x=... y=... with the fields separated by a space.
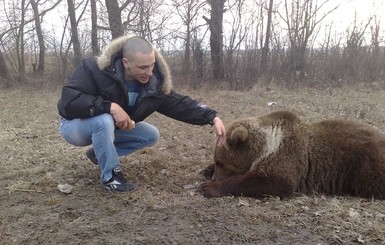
x=99 y=81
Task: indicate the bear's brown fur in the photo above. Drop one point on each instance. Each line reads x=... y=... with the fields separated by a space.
x=279 y=154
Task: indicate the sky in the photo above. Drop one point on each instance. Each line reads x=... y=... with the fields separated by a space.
x=344 y=15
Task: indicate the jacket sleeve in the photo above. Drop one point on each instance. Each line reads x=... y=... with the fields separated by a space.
x=185 y=109
x=79 y=97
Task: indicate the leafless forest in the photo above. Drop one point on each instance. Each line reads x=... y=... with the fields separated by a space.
x=232 y=43
x=241 y=57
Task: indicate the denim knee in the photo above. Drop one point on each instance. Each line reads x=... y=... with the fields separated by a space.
x=103 y=122
x=153 y=135
x=79 y=132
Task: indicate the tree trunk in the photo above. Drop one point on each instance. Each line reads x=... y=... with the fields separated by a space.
x=74 y=32
x=114 y=18
x=216 y=37
x=4 y=72
x=20 y=42
x=187 y=54
x=94 y=29
x=265 y=48
x=39 y=32
x=198 y=61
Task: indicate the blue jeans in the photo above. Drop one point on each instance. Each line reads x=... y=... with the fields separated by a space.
x=108 y=143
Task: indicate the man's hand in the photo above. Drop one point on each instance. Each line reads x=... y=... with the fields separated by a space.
x=220 y=130
x=122 y=120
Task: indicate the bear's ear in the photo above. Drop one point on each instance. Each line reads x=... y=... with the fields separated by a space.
x=238 y=136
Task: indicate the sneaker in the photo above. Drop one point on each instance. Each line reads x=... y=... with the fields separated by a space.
x=90 y=153
x=118 y=182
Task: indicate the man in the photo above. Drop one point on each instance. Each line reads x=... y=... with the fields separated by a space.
x=106 y=99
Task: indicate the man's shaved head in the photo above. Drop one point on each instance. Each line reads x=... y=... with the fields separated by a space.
x=134 y=45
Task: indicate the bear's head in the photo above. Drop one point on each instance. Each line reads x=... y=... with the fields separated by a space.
x=249 y=141
x=244 y=143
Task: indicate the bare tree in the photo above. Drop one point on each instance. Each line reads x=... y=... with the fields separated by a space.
x=63 y=51
x=20 y=42
x=328 y=60
x=188 y=11
x=301 y=19
x=376 y=64
x=115 y=16
x=198 y=61
x=40 y=38
x=355 y=50
x=265 y=48
x=94 y=29
x=239 y=31
x=74 y=31
x=143 y=27
x=38 y=17
x=4 y=72
x=149 y=21
x=216 y=38
x=19 y=20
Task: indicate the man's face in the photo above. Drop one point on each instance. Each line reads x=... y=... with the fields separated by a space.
x=139 y=67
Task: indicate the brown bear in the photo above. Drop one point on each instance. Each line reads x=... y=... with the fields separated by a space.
x=279 y=154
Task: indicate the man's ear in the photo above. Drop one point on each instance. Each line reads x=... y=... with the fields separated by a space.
x=125 y=62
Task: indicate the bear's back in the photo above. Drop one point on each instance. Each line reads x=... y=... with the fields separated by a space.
x=353 y=155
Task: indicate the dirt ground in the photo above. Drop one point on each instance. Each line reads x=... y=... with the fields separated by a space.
x=166 y=208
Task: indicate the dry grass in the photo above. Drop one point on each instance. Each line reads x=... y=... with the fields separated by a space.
x=165 y=209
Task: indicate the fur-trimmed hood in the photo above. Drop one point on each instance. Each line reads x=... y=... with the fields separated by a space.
x=104 y=60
